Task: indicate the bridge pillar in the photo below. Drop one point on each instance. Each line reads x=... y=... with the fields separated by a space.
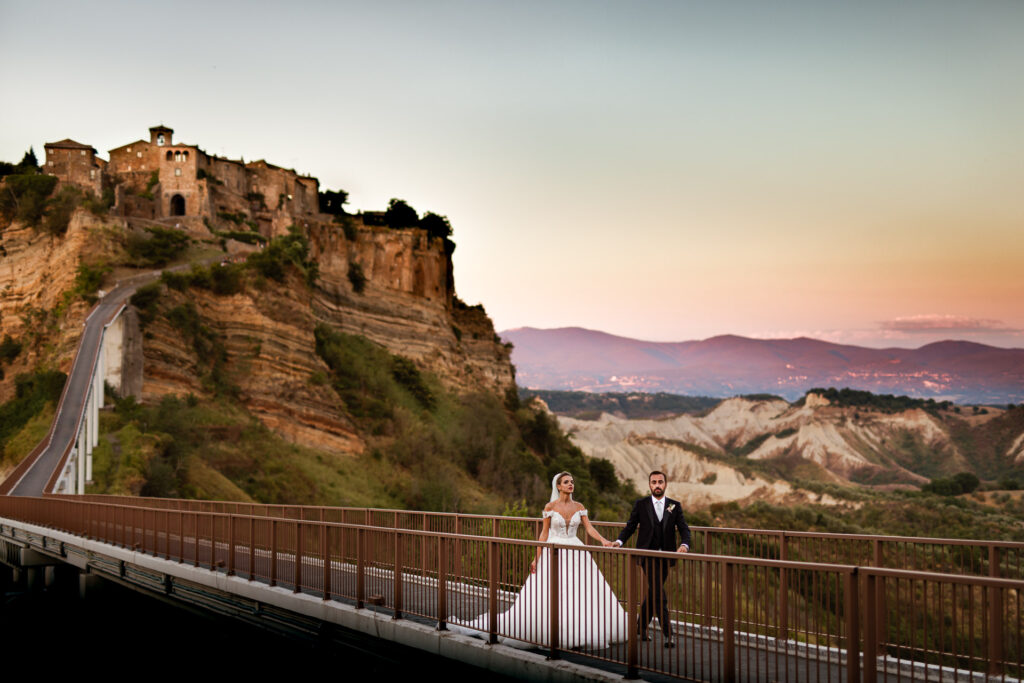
x=88 y=584
x=78 y=484
x=33 y=578
x=50 y=576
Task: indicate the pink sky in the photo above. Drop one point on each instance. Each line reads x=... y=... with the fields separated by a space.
x=661 y=170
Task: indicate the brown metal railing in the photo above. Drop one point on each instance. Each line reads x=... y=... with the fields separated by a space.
x=996 y=559
x=733 y=617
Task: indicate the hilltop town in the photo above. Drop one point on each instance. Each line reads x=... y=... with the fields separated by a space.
x=160 y=178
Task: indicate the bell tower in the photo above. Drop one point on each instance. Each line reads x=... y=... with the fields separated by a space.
x=160 y=135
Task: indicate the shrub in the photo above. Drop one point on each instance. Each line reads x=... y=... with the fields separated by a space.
x=436 y=225
x=291 y=250
x=408 y=375
x=99 y=206
x=9 y=349
x=145 y=300
x=23 y=196
x=333 y=202
x=356 y=276
x=154 y=178
x=400 y=215
x=89 y=279
x=59 y=210
x=160 y=248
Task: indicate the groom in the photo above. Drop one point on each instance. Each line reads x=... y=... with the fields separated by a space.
x=658 y=518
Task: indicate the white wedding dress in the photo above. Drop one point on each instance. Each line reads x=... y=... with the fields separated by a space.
x=589 y=614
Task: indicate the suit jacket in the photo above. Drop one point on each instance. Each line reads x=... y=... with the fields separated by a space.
x=643 y=516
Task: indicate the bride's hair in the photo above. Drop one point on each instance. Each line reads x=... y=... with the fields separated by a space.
x=554 y=485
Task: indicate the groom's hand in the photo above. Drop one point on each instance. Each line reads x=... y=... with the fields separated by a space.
x=683 y=549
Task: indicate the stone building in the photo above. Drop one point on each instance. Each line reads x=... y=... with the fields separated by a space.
x=75 y=164
x=159 y=178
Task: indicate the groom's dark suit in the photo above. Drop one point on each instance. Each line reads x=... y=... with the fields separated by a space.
x=656 y=535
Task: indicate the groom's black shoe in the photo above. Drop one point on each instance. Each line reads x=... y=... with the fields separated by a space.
x=669 y=642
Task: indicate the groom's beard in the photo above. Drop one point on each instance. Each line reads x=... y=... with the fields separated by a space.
x=658 y=493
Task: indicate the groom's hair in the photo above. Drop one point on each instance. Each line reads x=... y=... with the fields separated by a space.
x=656 y=472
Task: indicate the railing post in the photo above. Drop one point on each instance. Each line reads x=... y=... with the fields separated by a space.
x=273 y=552
x=397 y=582
x=783 y=588
x=728 y=623
x=231 y=545
x=325 y=550
x=252 y=546
x=995 y=616
x=298 y=556
x=881 y=628
x=852 y=607
x=360 y=569
x=553 y=574
x=442 y=584
x=492 y=592
x=632 y=606
x=870 y=628
x=458 y=547
x=195 y=537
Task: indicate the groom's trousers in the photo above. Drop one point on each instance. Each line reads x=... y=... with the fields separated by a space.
x=655 y=602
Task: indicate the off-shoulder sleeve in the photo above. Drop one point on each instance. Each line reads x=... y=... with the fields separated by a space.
x=547 y=513
x=584 y=513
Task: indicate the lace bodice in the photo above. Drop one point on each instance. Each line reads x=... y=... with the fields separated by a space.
x=560 y=532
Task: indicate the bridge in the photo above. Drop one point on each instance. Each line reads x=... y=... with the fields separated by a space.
x=744 y=604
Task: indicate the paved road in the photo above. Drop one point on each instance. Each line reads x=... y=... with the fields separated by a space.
x=77 y=389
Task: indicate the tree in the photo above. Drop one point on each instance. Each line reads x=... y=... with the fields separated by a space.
x=29 y=161
x=400 y=215
x=436 y=225
x=968 y=481
x=333 y=202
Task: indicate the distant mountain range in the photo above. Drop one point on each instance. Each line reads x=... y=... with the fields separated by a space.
x=573 y=358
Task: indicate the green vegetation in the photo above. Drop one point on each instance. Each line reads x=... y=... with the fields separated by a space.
x=282 y=253
x=400 y=215
x=446 y=441
x=884 y=403
x=633 y=405
x=154 y=179
x=246 y=236
x=24 y=197
x=146 y=300
x=866 y=511
x=9 y=349
x=99 y=206
x=161 y=247
x=333 y=202
x=32 y=393
x=356 y=276
x=965 y=482
x=208 y=346
x=202 y=174
x=88 y=280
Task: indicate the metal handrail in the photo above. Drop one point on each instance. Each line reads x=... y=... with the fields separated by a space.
x=739 y=617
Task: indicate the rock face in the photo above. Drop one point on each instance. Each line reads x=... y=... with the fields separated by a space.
x=407 y=305
x=837 y=443
x=37 y=272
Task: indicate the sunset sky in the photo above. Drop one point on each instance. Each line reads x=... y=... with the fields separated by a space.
x=659 y=170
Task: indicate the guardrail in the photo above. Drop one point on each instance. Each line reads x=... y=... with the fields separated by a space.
x=733 y=617
x=996 y=559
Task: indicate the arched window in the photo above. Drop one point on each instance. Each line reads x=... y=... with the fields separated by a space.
x=184 y=156
x=177 y=205
x=168 y=155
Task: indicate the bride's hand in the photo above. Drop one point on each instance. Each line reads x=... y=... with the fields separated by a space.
x=606 y=543
x=533 y=566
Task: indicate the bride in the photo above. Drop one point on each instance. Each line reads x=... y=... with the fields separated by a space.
x=589 y=614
